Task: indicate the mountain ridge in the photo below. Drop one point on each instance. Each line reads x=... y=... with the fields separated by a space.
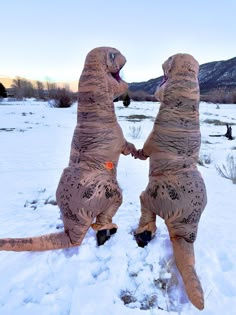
x=214 y=76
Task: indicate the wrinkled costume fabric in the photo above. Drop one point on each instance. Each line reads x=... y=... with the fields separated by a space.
x=88 y=189
x=176 y=191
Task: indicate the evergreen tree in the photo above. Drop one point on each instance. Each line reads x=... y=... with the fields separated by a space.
x=3 y=92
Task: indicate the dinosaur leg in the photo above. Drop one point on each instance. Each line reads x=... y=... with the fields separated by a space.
x=104 y=218
x=147 y=221
x=104 y=225
x=147 y=224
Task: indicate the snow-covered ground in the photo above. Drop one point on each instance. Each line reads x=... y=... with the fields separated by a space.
x=118 y=278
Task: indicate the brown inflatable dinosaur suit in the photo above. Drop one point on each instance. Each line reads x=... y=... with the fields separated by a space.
x=176 y=190
x=88 y=189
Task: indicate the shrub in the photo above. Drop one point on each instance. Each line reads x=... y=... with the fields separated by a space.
x=229 y=170
x=219 y=96
x=204 y=159
x=135 y=131
x=3 y=92
x=215 y=97
x=63 y=98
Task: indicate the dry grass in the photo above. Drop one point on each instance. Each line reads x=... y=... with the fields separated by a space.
x=228 y=170
x=216 y=122
x=137 y=118
x=135 y=132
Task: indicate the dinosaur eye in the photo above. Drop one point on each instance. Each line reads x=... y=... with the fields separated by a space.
x=112 y=56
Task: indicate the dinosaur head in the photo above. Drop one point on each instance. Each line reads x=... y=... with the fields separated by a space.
x=102 y=67
x=180 y=79
x=179 y=65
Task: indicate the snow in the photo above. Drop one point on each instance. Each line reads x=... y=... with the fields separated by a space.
x=35 y=144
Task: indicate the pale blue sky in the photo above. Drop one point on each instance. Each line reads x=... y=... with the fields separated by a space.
x=49 y=39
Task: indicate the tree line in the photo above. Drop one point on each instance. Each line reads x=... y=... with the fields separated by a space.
x=22 y=88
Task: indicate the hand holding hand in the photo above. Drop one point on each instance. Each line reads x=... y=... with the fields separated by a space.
x=139 y=154
x=129 y=149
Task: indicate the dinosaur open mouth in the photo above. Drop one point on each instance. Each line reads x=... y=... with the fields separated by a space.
x=116 y=76
x=165 y=78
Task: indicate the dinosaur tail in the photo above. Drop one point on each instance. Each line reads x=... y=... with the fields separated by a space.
x=38 y=243
x=185 y=261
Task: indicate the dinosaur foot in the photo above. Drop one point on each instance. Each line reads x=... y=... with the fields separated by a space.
x=104 y=235
x=143 y=238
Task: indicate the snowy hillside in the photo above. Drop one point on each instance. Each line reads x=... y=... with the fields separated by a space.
x=118 y=278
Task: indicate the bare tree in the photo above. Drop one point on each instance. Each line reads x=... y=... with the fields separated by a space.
x=51 y=89
x=28 y=89
x=22 y=88
x=17 y=86
x=40 y=89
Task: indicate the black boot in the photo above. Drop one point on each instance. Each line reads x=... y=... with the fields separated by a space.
x=104 y=235
x=143 y=238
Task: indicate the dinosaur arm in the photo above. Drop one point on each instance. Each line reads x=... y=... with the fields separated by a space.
x=128 y=148
x=148 y=146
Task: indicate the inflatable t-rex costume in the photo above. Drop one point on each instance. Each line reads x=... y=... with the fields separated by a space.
x=88 y=188
x=176 y=190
